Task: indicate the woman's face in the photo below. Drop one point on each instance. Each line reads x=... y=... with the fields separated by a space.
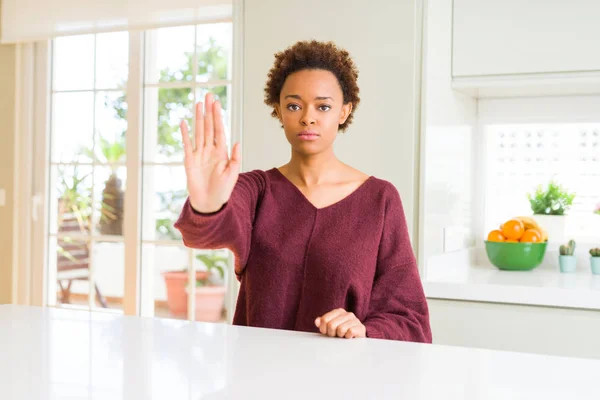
x=311 y=108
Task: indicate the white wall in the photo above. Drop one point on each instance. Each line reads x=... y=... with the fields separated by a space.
x=450 y=120
x=382 y=37
x=8 y=78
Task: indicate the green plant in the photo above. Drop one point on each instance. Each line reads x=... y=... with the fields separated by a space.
x=553 y=200
x=213 y=260
x=110 y=152
x=595 y=252
x=75 y=197
x=568 y=249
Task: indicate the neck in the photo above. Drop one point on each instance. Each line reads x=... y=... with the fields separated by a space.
x=312 y=170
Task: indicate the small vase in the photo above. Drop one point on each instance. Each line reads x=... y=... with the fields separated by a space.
x=595 y=263
x=567 y=263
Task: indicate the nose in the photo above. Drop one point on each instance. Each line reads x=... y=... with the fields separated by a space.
x=308 y=117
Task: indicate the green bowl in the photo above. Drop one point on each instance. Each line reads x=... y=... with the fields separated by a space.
x=515 y=256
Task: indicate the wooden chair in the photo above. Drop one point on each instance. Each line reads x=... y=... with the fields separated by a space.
x=73 y=260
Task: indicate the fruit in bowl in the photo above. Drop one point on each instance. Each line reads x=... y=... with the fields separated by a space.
x=519 y=245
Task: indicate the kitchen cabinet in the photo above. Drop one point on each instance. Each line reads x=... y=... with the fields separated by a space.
x=514 y=37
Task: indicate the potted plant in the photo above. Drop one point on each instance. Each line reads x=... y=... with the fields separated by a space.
x=550 y=206
x=209 y=288
x=210 y=291
x=595 y=260
x=567 y=260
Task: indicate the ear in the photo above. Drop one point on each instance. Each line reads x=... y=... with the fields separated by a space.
x=278 y=112
x=346 y=111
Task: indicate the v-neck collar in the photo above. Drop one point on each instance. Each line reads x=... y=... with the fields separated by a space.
x=305 y=199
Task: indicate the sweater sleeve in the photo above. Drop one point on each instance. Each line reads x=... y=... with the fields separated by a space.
x=398 y=308
x=231 y=226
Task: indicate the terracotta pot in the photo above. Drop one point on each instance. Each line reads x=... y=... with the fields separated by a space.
x=176 y=282
x=209 y=303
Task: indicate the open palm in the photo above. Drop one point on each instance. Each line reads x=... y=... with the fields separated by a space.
x=211 y=173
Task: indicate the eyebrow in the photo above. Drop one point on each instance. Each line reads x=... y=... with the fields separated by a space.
x=295 y=96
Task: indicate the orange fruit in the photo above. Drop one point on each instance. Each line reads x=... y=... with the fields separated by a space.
x=513 y=229
x=531 y=236
x=495 y=236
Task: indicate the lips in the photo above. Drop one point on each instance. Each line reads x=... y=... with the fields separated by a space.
x=308 y=135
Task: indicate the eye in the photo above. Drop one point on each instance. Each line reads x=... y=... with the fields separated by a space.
x=324 y=107
x=293 y=107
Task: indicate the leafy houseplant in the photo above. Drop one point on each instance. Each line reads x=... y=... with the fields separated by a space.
x=554 y=200
x=567 y=260
x=550 y=206
x=595 y=260
x=113 y=196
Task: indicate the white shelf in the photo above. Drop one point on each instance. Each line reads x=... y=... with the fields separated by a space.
x=528 y=85
x=457 y=277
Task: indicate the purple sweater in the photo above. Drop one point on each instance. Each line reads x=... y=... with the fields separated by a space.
x=296 y=262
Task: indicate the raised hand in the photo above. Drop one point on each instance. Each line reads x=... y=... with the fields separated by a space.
x=211 y=173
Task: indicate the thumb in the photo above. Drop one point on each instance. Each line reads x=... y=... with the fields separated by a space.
x=233 y=167
x=318 y=322
x=236 y=153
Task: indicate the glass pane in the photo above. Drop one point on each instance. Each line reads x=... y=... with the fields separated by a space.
x=167 y=266
x=163 y=196
x=112 y=60
x=70 y=199
x=213 y=51
x=164 y=111
x=109 y=273
x=210 y=287
x=72 y=127
x=72 y=270
x=221 y=93
x=73 y=58
x=109 y=196
x=169 y=54
x=170 y=281
x=111 y=126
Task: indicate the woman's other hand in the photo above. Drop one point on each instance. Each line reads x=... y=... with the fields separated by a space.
x=341 y=323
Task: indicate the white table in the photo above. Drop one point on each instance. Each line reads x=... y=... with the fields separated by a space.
x=62 y=354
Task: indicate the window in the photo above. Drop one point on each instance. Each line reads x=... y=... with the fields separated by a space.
x=87 y=173
x=88 y=164
x=522 y=156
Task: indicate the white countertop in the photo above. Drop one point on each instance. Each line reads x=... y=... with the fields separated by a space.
x=61 y=354
x=460 y=277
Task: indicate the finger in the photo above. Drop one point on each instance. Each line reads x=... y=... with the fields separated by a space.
x=209 y=132
x=220 y=139
x=357 y=331
x=199 y=131
x=333 y=325
x=235 y=160
x=343 y=330
x=236 y=153
x=185 y=136
x=325 y=319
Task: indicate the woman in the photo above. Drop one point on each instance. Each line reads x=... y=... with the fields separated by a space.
x=319 y=246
